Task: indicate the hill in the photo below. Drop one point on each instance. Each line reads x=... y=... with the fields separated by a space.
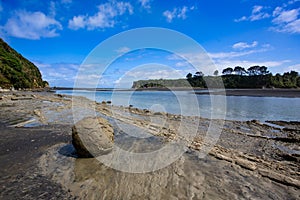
x=16 y=71
x=161 y=83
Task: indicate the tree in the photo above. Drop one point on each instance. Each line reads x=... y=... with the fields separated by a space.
x=216 y=73
x=239 y=70
x=189 y=76
x=254 y=70
x=263 y=70
x=294 y=74
x=227 y=71
x=290 y=79
x=199 y=74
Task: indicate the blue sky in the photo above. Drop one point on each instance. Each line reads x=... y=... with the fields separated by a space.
x=59 y=35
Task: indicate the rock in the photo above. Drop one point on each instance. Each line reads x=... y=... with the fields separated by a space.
x=20 y=98
x=246 y=164
x=146 y=111
x=281 y=178
x=158 y=113
x=254 y=121
x=37 y=112
x=92 y=137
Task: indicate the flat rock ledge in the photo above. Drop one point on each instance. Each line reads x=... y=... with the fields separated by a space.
x=92 y=137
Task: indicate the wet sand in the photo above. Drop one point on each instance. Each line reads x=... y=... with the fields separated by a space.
x=20 y=175
x=250 y=160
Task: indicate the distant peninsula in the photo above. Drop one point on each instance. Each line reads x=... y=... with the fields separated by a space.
x=16 y=71
x=233 y=78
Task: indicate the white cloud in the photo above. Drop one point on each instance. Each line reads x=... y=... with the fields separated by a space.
x=257 y=14
x=145 y=4
x=221 y=60
x=181 y=64
x=123 y=50
x=294 y=68
x=150 y=71
x=31 y=25
x=244 y=18
x=277 y=11
x=58 y=74
x=233 y=54
x=293 y=27
x=106 y=17
x=41 y=65
x=285 y=16
x=192 y=62
x=182 y=13
x=286 y=20
x=169 y=15
x=177 y=13
x=283 y=19
x=244 y=45
x=256 y=9
x=235 y=58
x=223 y=63
x=77 y=22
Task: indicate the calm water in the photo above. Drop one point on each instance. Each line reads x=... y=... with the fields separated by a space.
x=187 y=103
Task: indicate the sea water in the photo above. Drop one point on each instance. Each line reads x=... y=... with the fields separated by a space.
x=239 y=108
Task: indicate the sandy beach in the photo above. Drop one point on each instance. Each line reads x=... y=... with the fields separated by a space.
x=250 y=159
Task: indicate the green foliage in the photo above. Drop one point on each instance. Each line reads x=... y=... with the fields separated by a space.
x=257 y=70
x=189 y=75
x=240 y=70
x=298 y=82
x=234 y=81
x=257 y=77
x=161 y=83
x=227 y=71
x=254 y=77
x=17 y=71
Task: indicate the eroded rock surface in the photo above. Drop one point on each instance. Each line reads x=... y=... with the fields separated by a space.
x=92 y=137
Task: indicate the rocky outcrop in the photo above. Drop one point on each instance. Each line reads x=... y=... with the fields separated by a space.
x=92 y=137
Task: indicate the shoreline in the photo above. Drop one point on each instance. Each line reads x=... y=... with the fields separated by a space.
x=287 y=93
x=265 y=153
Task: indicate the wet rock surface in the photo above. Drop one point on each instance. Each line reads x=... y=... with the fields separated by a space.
x=20 y=150
x=250 y=160
x=92 y=137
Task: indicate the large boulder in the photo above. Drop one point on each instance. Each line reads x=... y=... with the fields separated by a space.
x=92 y=137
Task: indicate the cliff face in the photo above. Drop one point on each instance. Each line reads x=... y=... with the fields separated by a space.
x=16 y=71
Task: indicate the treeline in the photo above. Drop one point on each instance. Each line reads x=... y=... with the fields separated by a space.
x=161 y=83
x=239 y=77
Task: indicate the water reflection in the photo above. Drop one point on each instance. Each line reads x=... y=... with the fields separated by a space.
x=238 y=107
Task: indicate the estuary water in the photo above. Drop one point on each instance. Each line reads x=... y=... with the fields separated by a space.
x=239 y=108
